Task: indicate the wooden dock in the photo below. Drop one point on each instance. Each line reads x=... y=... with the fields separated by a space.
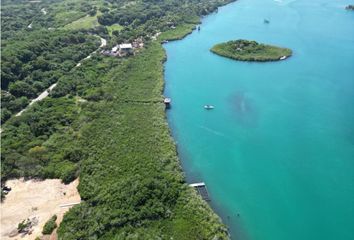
x=201 y=189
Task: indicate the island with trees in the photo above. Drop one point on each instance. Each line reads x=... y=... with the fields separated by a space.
x=245 y=50
x=350 y=7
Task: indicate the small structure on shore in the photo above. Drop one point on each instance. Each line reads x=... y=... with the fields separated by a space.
x=201 y=189
x=167 y=102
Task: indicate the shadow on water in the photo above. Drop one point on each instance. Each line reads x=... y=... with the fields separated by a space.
x=243 y=109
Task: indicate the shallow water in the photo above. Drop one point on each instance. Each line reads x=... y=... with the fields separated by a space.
x=278 y=149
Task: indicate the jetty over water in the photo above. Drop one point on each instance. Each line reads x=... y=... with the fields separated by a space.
x=201 y=189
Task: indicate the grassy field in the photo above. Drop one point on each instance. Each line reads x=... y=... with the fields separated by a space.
x=67 y=17
x=244 y=50
x=178 y=33
x=86 y=22
x=114 y=27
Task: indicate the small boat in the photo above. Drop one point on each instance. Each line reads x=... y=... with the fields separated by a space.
x=282 y=58
x=165 y=41
x=209 y=107
x=167 y=101
x=266 y=21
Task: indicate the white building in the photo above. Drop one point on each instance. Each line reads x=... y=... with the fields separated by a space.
x=126 y=48
x=115 y=49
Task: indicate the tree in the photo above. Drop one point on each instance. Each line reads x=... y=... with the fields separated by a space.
x=38 y=152
x=50 y=225
x=17 y=104
x=5 y=115
x=20 y=88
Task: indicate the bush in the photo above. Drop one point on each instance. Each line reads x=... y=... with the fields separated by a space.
x=19 y=89
x=50 y=225
x=5 y=115
x=23 y=225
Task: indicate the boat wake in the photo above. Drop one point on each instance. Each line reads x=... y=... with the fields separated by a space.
x=212 y=131
x=284 y=2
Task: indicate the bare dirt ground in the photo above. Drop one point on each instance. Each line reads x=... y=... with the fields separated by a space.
x=39 y=199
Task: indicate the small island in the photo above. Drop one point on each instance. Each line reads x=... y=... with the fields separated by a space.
x=245 y=50
x=350 y=7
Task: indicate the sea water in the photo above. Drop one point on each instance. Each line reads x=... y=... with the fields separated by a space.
x=277 y=151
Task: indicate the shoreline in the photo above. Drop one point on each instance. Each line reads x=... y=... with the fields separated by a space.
x=179 y=211
x=212 y=207
x=268 y=53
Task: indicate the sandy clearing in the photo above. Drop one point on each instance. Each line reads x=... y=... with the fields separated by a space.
x=40 y=199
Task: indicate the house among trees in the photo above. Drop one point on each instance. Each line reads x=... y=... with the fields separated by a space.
x=115 y=49
x=138 y=43
x=120 y=50
x=125 y=49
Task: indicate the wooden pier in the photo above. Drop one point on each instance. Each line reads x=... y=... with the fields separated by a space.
x=167 y=102
x=201 y=189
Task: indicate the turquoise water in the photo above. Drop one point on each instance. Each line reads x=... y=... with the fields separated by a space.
x=278 y=149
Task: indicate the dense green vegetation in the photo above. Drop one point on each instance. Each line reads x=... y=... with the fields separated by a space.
x=105 y=121
x=23 y=225
x=122 y=141
x=114 y=28
x=17 y=15
x=178 y=33
x=350 y=7
x=50 y=225
x=148 y=17
x=36 y=144
x=244 y=50
x=31 y=64
x=36 y=51
x=86 y=22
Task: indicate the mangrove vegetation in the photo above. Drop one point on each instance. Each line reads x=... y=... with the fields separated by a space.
x=105 y=120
